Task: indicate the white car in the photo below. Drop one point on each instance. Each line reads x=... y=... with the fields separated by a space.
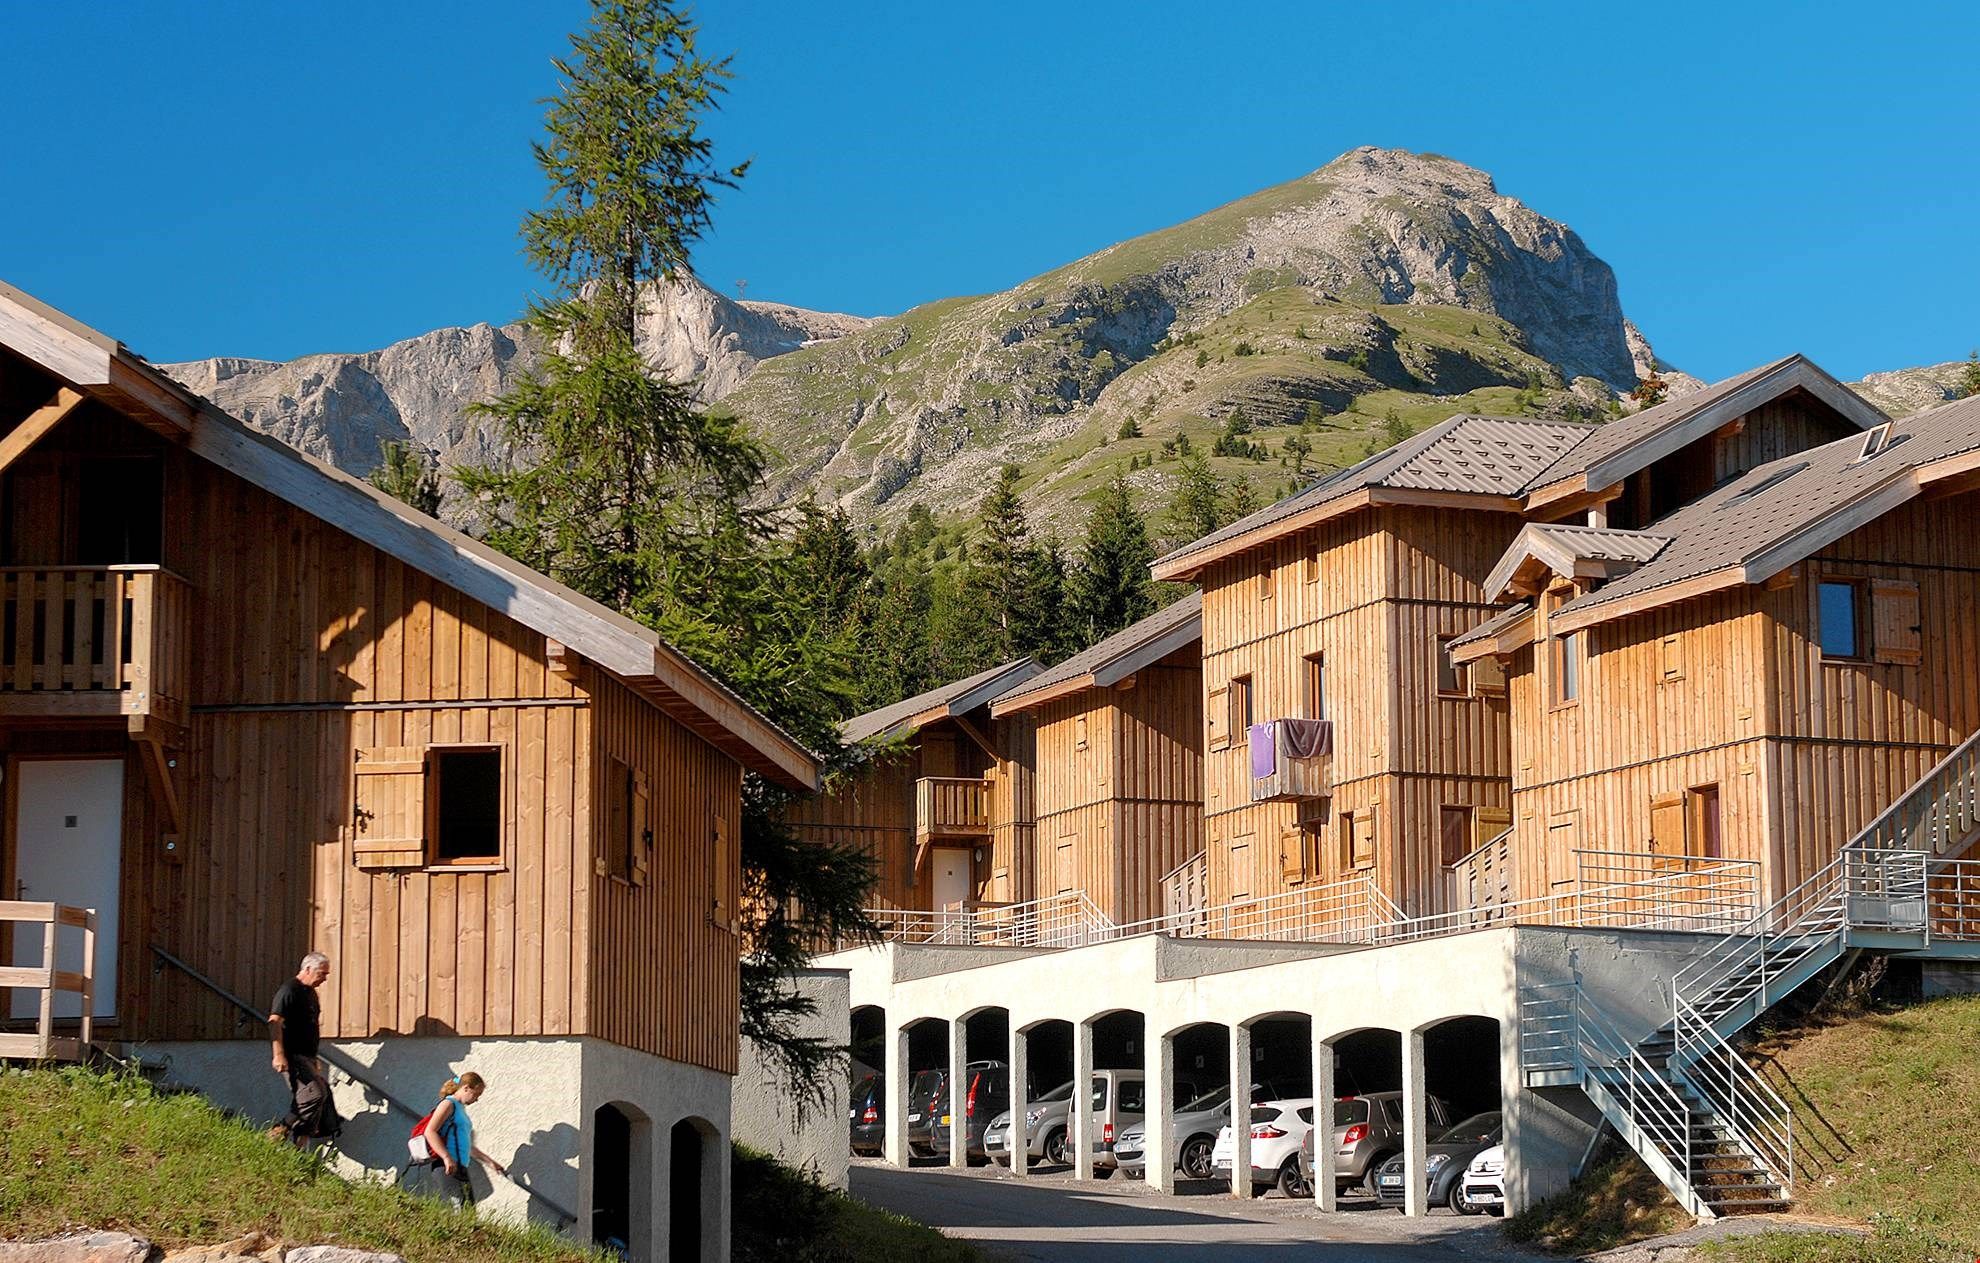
x=1277 y=1129
x=1485 y=1182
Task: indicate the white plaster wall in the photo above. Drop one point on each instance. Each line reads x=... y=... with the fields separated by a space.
x=767 y=1116
x=526 y=1119
x=665 y=1092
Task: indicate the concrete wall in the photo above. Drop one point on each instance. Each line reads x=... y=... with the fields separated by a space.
x=767 y=1117
x=534 y=1117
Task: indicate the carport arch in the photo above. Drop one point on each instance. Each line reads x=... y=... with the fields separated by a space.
x=899 y=1076
x=1326 y=1061
x=1086 y=1134
x=961 y=1053
x=1166 y=1066
x=1458 y=1038
x=1024 y=1080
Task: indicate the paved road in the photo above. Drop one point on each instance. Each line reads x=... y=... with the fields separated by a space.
x=1052 y=1217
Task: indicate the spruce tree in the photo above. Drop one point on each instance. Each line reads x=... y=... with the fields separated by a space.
x=637 y=495
x=1198 y=506
x=1969 y=377
x=408 y=474
x=999 y=573
x=1110 y=587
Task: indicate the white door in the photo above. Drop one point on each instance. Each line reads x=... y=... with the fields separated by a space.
x=68 y=831
x=952 y=875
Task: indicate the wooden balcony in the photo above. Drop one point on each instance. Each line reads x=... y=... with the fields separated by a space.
x=1295 y=776
x=951 y=807
x=89 y=641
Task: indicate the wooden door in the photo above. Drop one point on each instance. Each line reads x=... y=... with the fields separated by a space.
x=951 y=865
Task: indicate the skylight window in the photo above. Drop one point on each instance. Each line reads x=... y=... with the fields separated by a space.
x=1877 y=440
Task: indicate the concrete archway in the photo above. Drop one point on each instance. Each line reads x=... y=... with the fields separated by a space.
x=867 y=1101
x=622 y=1179
x=1041 y=1075
x=1462 y=1080
x=694 y=1189
x=1358 y=1108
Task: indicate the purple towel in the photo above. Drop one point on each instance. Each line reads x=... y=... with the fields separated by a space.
x=1264 y=751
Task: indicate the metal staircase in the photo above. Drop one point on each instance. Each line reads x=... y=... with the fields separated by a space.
x=1711 y=1128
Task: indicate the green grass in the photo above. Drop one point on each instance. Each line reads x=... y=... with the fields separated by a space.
x=784 y=1216
x=1893 y=1240
x=1616 y=1203
x=1896 y=1100
x=83 y=1149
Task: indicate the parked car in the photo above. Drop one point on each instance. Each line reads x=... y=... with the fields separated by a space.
x=867 y=1112
x=1117 y=1102
x=1368 y=1131
x=928 y=1100
x=1276 y=1132
x=1196 y=1126
x=987 y=1093
x=1449 y=1155
x=1485 y=1182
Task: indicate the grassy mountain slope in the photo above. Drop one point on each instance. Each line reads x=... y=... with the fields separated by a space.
x=1384 y=282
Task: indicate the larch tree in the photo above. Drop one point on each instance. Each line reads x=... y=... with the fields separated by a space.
x=630 y=492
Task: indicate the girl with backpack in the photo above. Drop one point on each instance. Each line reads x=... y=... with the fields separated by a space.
x=443 y=1141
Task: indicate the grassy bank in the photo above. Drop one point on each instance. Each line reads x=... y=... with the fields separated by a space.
x=83 y=1149
x=1616 y=1203
x=784 y=1216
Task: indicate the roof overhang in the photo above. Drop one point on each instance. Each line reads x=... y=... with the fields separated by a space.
x=1107 y=674
x=104 y=368
x=1508 y=637
x=1187 y=566
x=1013 y=674
x=1539 y=551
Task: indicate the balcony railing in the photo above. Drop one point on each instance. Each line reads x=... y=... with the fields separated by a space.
x=951 y=807
x=46 y=981
x=89 y=640
x=1291 y=760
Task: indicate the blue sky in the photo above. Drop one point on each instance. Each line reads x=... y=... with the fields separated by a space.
x=271 y=180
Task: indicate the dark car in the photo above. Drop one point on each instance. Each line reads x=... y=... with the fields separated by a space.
x=867 y=1111
x=987 y=1093
x=928 y=1104
x=1448 y=1156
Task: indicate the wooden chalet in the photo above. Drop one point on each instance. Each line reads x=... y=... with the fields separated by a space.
x=1119 y=799
x=945 y=809
x=1754 y=676
x=1342 y=602
x=251 y=707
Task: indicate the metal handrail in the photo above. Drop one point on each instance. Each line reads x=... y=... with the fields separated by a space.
x=1594 y=1045
x=342 y=1063
x=1746 y=1103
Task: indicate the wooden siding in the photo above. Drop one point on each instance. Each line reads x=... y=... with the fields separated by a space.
x=689 y=1011
x=1371 y=593
x=1732 y=690
x=308 y=647
x=1120 y=780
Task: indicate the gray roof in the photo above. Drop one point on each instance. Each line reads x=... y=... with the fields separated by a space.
x=1559 y=545
x=1469 y=453
x=1497 y=623
x=958 y=697
x=1121 y=654
x=1785 y=510
x=1639 y=431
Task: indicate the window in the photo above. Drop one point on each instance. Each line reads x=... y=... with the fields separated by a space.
x=1840 y=618
x=1453 y=677
x=466 y=795
x=1454 y=832
x=1567 y=668
x=1267 y=581
x=1316 y=686
x=1241 y=709
x=628 y=824
x=120 y=511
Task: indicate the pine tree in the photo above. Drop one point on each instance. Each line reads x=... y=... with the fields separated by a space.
x=998 y=575
x=637 y=497
x=1110 y=587
x=1969 y=377
x=1046 y=628
x=408 y=474
x=1198 y=506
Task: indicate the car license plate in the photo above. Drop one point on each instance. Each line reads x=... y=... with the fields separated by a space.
x=1389 y=1181
x=914 y=1118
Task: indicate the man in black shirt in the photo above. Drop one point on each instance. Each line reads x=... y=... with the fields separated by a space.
x=296 y=1031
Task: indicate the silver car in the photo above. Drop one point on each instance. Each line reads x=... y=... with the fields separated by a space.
x=1196 y=1125
x=1116 y=1102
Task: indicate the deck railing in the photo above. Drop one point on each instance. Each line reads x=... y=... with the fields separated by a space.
x=952 y=807
x=1482 y=879
x=1064 y=920
x=43 y=1043
x=95 y=630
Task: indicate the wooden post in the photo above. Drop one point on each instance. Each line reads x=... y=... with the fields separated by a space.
x=45 y=1033
x=88 y=984
x=143 y=591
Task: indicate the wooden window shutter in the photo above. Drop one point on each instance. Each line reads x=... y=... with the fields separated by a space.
x=1488 y=674
x=1292 y=855
x=1079 y=732
x=1667 y=824
x=1896 y=635
x=721 y=876
x=1363 y=855
x=388 y=826
x=1670 y=658
x=1267 y=583
x=639 y=830
x=1241 y=866
x=1488 y=823
x=1217 y=714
